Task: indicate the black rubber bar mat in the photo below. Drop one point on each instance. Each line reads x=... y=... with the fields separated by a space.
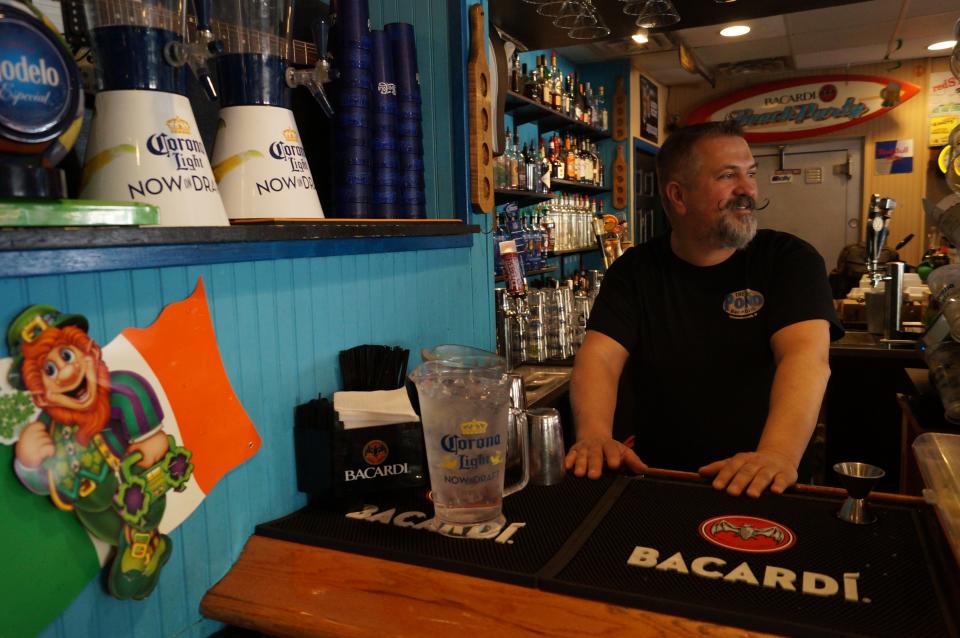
x=541 y=521
x=783 y=564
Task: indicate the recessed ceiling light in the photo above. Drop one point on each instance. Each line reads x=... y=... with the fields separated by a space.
x=641 y=36
x=940 y=46
x=734 y=31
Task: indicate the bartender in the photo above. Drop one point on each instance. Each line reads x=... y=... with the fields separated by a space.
x=717 y=333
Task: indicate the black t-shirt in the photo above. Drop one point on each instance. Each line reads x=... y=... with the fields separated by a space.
x=696 y=387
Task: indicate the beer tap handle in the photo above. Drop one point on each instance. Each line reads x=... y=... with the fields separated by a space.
x=199 y=52
x=321 y=73
x=321 y=36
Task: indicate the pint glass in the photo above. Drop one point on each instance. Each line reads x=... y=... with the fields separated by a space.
x=464 y=403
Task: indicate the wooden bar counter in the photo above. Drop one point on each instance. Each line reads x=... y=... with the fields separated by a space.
x=284 y=588
x=288 y=589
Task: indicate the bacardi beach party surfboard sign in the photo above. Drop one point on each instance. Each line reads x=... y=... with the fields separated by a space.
x=806 y=106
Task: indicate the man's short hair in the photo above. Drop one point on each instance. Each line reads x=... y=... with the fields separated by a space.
x=676 y=154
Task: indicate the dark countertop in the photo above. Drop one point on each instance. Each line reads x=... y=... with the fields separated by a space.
x=866 y=345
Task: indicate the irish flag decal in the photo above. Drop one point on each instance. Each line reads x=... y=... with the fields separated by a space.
x=104 y=451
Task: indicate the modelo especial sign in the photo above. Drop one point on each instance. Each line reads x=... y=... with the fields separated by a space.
x=807 y=106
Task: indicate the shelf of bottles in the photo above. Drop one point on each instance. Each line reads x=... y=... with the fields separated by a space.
x=521 y=197
x=561 y=226
x=531 y=273
x=554 y=101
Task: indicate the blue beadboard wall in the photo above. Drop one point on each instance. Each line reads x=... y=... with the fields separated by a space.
x=279 y=326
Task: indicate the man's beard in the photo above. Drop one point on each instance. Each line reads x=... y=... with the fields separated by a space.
x=92 y=420
x=735 y=229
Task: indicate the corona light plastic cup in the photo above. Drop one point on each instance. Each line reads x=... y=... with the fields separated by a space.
x=464 y=403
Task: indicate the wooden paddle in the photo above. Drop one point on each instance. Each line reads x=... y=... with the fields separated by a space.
x=479 y=118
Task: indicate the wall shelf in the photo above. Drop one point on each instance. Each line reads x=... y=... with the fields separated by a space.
x=576 y=187
x=46 y=251
x=525 y=110
x=531 y=273
x=572 y=251
x=523 y=198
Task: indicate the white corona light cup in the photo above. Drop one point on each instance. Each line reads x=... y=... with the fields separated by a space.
x=260 y=166
x=145 y=146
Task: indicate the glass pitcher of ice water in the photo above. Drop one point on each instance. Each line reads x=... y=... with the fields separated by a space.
x=464 y=404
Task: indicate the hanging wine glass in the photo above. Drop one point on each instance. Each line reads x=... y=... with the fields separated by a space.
x=657 y=14
x=560 y=8
x=586 y=18
x=633 y=7
x=589 y=33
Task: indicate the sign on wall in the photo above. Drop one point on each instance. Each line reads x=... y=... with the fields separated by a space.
x=807 y=106
x=892 y=157
x=943 y=107
x=649 y=111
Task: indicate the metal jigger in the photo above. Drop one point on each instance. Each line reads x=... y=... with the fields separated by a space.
x=858 y=479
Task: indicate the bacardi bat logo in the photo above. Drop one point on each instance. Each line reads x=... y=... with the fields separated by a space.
x=375 y=452
x=747 y=534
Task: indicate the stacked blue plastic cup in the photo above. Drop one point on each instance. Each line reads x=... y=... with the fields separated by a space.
x=385 y=161
x=353 y=107
x=413 y=201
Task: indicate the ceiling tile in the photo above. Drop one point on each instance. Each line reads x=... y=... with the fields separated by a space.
x=708 y=36
x=674 y=77
x=741 y=51
x=823 y=41
x=917 y=48
x=928 y=7
x=854 y=16
x=840 y=57
x=938 y=26
x=657 y=61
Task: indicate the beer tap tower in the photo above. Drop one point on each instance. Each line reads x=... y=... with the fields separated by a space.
x=144 y=144
x=259 y=161
x=878 y=226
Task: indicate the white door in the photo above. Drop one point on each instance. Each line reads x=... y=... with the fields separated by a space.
x=814 y=192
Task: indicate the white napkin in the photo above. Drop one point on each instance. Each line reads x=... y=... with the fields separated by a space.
x=379 y=407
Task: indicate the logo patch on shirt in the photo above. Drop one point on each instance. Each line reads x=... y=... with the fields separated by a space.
x=743 y=304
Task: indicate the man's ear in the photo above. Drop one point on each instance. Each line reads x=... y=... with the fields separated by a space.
x=673 y=191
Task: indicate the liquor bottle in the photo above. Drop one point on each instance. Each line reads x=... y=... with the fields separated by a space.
x=577 y=101
x=604 y=114
x=597 y=166
x=530 y=88
x=588 y=106
x=499 y=235
x=549 y=225
x=513 y=162
x=557 y=77
x=581 y=102
x=521 y=164
x=557 y=168
x=570 y=160
x=546 y=87
x=588 y=164
x=568 y=97
x=543 y=184
x=516 y=75
x=500 y=170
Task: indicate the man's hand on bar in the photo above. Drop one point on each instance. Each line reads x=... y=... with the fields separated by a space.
x=589 y=455
x=753 y=471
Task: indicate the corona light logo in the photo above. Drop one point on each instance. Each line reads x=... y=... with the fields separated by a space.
x=290 y=135
x=473 y=427
x=747 y=534
x=375 y=452
x=178 y=126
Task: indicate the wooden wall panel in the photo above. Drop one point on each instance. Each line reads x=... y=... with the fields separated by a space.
x=279 y=326
x=907 y=121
